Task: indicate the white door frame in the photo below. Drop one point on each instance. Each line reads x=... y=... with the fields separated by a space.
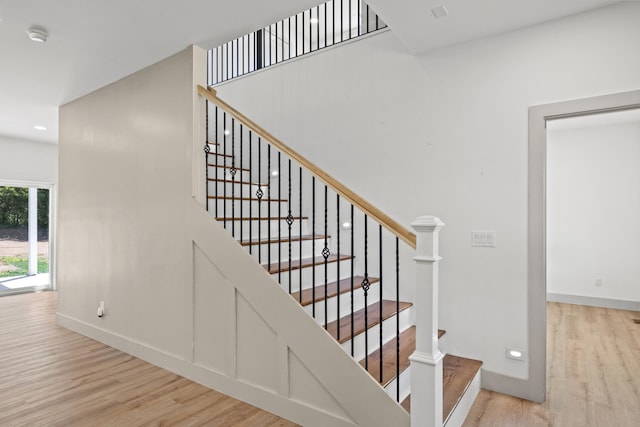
x=537 y=245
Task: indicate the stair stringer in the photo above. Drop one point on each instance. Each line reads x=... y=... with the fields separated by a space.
x=351 y=395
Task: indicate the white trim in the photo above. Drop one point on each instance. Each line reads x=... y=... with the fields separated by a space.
x=617 y=304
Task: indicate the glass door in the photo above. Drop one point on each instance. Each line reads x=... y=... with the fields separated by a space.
x=24 y=239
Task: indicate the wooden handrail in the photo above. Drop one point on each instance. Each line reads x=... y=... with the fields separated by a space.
x=366 y=207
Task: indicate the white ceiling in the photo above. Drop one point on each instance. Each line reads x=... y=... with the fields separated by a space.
x=413 y=22
x=95 y=42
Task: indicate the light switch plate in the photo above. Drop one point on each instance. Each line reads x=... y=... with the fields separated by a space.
x=485 y=239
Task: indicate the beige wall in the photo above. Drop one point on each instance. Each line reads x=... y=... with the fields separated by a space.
x=178 y=290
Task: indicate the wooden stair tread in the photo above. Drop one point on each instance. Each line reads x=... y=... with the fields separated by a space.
x=284 y=239
x=389 y=368
x=302 y=263
x=373 y=318
x=231 y=181
x=221 y=155
x=213 y=143
x=343 y=286
x=253 y=199
x=457 y=375
x=259 y=218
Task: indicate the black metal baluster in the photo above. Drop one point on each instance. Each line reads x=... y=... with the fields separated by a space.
x=377 y=22
x=250 y=205
x=350 y=12
x=313 y=252
x=279 y=223
x=365 y=286
x=341 y=21
x=310 y=32
x=359 y=17
x=352 y=284
x=380 y=297
x=302 y=27
x=276 y=43
x=240 y=182
x=338 y=253
x=237 y=55
x=325 y=253
x=300 y=229
x=207 y=148
x=333 y=22
x=269 y=206
x=233 y=171
x=259 y=194
x=289 y=37
x=397 y=320
x=367 y=19
x=290 y=223
x=270 y=46
x=326 y=40
x=318 y=27
x=224 y=162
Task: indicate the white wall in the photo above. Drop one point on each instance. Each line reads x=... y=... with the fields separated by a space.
x=28 y=161
x=593 y=206
x=446 y=134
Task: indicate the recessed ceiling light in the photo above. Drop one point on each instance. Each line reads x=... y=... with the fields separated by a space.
x=227 y=132
x=38 y=34
x=439 y=12
x=39 y=127
x=313 y=20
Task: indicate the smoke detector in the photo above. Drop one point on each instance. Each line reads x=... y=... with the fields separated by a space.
x=38 y=34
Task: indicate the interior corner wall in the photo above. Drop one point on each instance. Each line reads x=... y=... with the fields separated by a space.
x=593 y=206
x=445 y=134
x=27 y=161
x=124 y=184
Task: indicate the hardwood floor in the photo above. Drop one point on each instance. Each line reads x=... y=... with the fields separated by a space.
x=50 y=376
x=593 y=374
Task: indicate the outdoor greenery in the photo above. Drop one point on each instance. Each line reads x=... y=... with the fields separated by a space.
x=22 y=265
x=14 y=207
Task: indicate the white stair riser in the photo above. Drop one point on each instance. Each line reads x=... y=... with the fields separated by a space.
x=259 y=228
x=307 y=275
x=405 y=385
x=388 y=332
x=236 y=189
x=345 y=303
x=222 y=173
x=261 y=252
x=262 y=208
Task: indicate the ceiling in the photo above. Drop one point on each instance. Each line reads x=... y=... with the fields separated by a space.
x=95 y=42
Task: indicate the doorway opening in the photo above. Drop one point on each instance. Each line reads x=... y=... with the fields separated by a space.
x=24 y=239
x=539 y=116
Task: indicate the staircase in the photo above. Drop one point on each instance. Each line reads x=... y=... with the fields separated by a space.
x=336 y=274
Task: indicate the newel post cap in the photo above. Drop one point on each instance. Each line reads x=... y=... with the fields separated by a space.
x=427 y=224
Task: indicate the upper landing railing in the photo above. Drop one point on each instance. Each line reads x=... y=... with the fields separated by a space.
x=322 y=26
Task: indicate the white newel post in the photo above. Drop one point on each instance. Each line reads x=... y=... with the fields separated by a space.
x=426 y=361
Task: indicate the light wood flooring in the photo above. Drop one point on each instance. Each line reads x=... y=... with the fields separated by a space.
x=593 y=374
x=50 y=376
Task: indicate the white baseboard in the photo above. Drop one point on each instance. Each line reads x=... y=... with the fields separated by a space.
x=594 y=301
x=256 y=396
